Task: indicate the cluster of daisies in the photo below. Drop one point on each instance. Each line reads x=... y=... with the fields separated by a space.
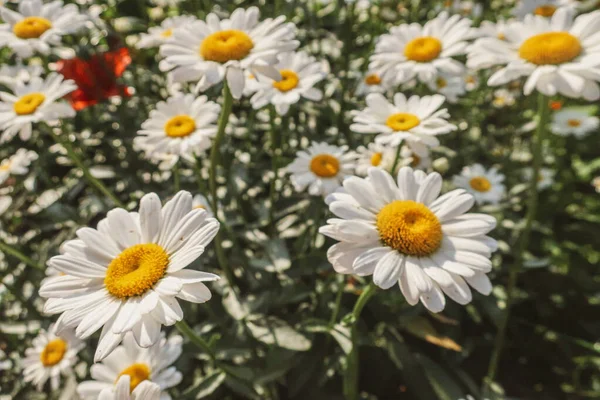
x=125 y=278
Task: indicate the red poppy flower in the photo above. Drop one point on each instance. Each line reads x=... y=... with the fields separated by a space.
x=96 y=77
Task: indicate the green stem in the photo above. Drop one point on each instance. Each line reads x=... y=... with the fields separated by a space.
x=20 y=256
x=338 y=302
x=348 y=50
x=86 y=172
x=176 y=178
x=351 y=376
x=532 y=203
x=275 y=168
x=396 y=160
x=188 y=332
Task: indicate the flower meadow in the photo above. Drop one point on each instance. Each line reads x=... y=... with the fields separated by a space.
x=299 y=199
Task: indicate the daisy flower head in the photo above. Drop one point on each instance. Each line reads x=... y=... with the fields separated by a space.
x=416 y=119
x=17 y=164
x=212 y=50
x=35 y=101
x=557 y=54
x=414 y=51
x=157 y=35
x=573 y=121
x=182 y=126
x=485 y=185
x=545 y=177
x=11 y=74
x=543 y=8
x=51 y=356
x=402 y=232
x=37 y=26
x=466 y=8
x=493 y=29
x=126 y=275
x=152 y=364
x=503 y=98
x=450 y=86
x=370 y=83
x=374 y=155
x=299 y=74
x=415 y=157
x=321 y=168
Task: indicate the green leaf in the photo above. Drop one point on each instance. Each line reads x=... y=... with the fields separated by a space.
x=273 y=331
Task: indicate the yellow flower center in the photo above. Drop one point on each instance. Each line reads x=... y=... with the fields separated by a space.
x=29 y=103
x=325 y=165
x=409 y=227
x=416 y=160
x=53 y=352
x=31 y=27
x=180 y=126
x=5 y=166
x=501 y=36
x=138 y=373
x=136 y=270
x=441 y=83
x=226 y=46
x=545 y=11
x=402 y=121
x=372 y=79
x=376 y=159
x=550 y=48
x=423 y=49
x=167 y=33
x=480 y=184
x=574 y=123
x=289 y=80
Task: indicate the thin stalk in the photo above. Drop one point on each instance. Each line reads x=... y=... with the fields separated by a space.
x=188 y=332
x=351 y=375
x=348 y=47
x=176 y=178
x=20 y=256
x=86 y=172
x=515 y=268
x=274 y=167
x=338 y=302
x=396 y=160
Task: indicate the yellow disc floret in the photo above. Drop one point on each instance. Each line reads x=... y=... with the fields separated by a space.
x=480 y=184
x=325 y=165
x=29 y=103
x=402 y=121
x=138 y=373
x=545 y=11
x=376 y=159
x=180 y=126
x=53 y=353
x=550 y=48
x=289 y=80
x=31 y=27
x=226 y=46
x=409 y=227
x=423 y=49
x=372 y=79
x=136 y=270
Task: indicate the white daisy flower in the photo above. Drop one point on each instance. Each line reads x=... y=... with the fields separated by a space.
x=471 y=81
x=417 y=158
x=51 y=356
x=405 y=234
x=375 y=155
x=543 y=8
x=503 y=98
x=558 y=55
x=485 y=186
x=35 y=101
x=416 y=120
x=450 y=86
x=157 y=35
x=200 y=201
x=493 y=29
x=150 y=364
x=146 y=390
x=299 y=74
x=127 y=275
x=545 y=177
x=412 y=51
x=11 y=74
x=5 y=202
x=466 y=8
x=370 y=83
x=211 y=51
x=181 y=126
x=38 y=26
x=17 y=164
x=321 y=168
x=573 y=121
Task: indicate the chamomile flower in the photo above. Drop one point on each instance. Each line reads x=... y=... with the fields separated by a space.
x=17 y=164
x=485 y=185
x=299 y=74
x=557 y=55
x=503 y=98
x=208 y=52
x=35 y=101
x=51 y=356
x=471 y=81
x=11 y=74
x=181 y=126
x=415 y=157
x=573 y=121
x=375 y=155
x=466 y=8
x=413 y=51
x=545 y=177
x=543 y=8
x=150 y=364
x=126 y=275
x=416 y=120
x=450 y=86
x=200 y=201
x=370 y=83
x=36 y=27
x=321 y=168
x=146 y=390
x=403 y=233
x=493 y=29
x=157 y=35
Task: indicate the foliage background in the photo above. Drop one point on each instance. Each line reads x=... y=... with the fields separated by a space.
x=280 y=331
